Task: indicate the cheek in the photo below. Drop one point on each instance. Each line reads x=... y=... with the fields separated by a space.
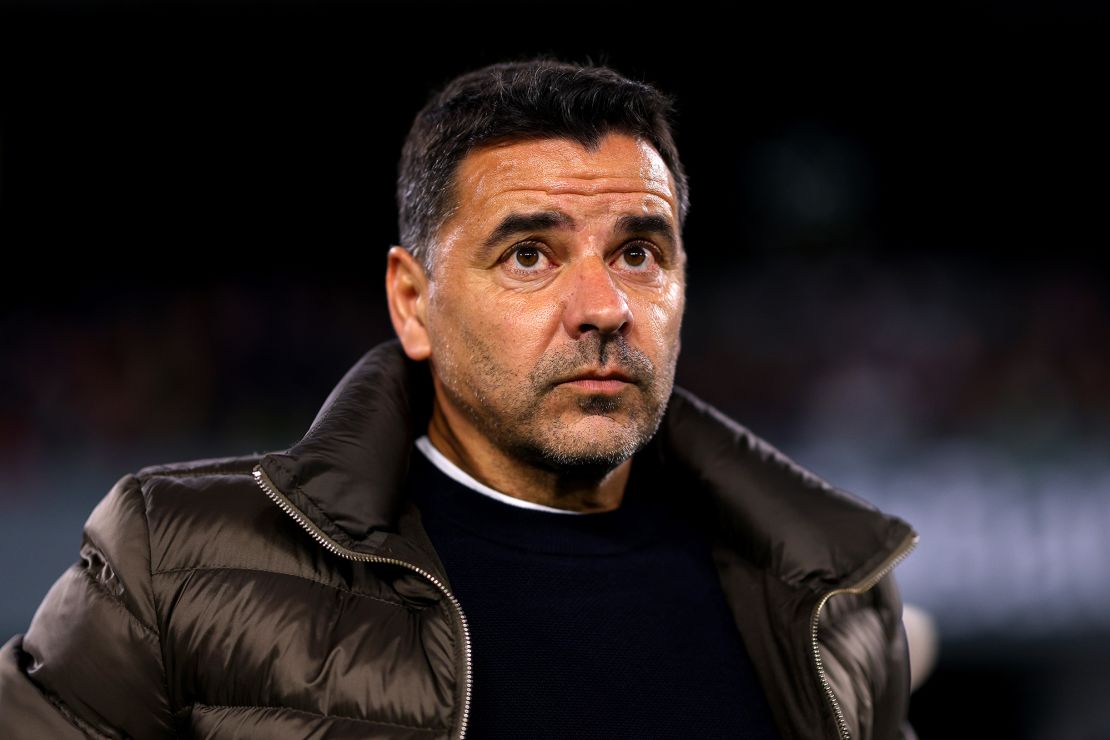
x=510 y=331
x=663 y=317
x=523 y=326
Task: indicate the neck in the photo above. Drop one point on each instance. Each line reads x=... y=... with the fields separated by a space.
x=463 y=444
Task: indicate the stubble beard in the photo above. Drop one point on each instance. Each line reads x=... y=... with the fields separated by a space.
x=510 y=410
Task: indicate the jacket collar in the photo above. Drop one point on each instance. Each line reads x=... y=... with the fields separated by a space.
x=347 y=471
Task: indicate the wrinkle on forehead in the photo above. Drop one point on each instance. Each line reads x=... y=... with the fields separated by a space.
x=649 y=200
x=620 y=165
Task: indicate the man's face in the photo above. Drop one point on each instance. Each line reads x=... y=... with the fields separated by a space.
x=560 y=263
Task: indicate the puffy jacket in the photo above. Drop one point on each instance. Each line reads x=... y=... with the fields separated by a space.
x=295 y=594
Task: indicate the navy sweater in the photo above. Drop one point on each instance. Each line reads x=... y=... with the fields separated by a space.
x=602 y=625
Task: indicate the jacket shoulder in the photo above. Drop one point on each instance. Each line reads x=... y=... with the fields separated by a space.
x=208 y=466
x=779 y=515
x=90 y=662
x=210 y=513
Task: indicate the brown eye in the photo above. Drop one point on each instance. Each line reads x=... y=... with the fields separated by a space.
x=527 y=256
x=635 y=256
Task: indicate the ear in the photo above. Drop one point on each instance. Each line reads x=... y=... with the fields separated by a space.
x=406 y=289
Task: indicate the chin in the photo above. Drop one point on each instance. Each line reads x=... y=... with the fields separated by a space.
x=590 y=447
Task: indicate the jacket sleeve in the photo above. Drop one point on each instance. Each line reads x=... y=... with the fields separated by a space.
x=90 y=663
x=865 y=655
x=892 y=689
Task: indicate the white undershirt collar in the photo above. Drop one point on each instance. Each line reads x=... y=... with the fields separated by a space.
x=454 y=471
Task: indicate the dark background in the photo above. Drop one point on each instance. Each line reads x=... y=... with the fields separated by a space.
x=897 y=271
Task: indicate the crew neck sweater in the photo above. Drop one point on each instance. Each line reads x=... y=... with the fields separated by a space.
x=601 y=625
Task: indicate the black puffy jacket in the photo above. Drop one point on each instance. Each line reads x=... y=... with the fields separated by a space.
x=295 y=594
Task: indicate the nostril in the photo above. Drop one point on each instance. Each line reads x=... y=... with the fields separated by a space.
x=619 y=329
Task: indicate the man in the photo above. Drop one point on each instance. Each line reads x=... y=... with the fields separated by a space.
x=507 y=522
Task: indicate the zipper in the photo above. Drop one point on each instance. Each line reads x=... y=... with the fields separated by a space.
x=866 y=584
x=331 y=545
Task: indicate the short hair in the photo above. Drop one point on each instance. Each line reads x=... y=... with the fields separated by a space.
x=535 y=99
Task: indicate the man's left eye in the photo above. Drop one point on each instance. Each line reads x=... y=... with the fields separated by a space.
x=636 y=255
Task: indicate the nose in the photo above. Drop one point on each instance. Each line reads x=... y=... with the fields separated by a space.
x=594 y=301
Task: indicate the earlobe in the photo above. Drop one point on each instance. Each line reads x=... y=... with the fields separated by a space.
x=406 y=289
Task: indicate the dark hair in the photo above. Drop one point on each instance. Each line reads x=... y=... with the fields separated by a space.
x=539 y=98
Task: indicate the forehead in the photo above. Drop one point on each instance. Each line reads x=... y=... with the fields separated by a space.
x=623 y=173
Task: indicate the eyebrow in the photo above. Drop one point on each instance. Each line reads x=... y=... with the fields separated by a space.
x=659 y=226
x=524 y=223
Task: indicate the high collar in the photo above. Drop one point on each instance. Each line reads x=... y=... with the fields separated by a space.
x=347 y=472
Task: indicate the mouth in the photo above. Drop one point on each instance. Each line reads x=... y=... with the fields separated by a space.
x=598 y=381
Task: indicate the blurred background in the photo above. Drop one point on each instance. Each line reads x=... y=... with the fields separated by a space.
x=897 y=271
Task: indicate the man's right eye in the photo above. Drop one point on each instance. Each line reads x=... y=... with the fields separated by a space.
x=527 y=256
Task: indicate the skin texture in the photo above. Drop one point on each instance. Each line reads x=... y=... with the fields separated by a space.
x=505 y=322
